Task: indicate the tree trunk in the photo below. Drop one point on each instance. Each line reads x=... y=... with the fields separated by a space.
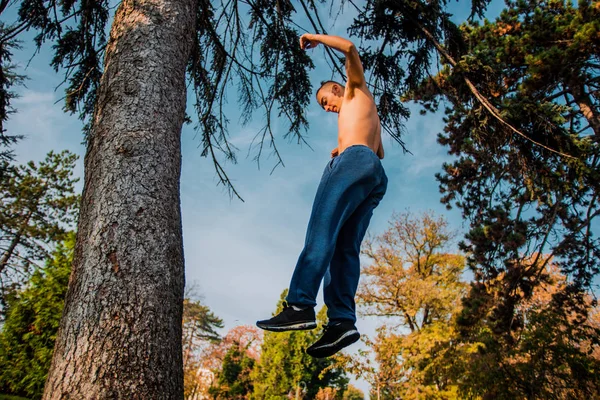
x=9 y=252
x=585 y=103
x=120 y=335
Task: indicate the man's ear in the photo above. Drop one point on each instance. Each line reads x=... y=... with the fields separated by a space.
x=335 y=89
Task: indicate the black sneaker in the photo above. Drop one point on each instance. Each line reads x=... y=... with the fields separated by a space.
x=335 y=338
x=290 y=320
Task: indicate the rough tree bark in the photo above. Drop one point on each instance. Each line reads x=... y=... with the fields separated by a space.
x=120 y=336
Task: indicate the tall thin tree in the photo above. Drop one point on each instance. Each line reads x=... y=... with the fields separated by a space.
x=121 y=327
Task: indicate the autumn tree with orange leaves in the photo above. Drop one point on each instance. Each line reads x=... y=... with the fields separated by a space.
x=413 y=278
x=414 y=284
x=432 y=344
x=551 y=351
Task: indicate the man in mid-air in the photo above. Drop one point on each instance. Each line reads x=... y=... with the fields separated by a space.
x=352 y=185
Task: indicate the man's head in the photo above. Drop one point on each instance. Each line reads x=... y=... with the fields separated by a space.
x=330 y=96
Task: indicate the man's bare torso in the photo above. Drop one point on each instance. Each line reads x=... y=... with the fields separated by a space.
x=358 y=122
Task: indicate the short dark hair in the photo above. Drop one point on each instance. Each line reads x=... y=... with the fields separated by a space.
x=323 y=84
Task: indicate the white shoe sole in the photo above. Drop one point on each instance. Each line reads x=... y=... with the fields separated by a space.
x=339 y=340
x=329 y=349
x=302 y=326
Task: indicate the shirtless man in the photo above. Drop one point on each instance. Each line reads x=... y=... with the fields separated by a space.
x=352 y=185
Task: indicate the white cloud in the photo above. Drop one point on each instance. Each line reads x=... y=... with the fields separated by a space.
x=46 y=128
x=32 y=97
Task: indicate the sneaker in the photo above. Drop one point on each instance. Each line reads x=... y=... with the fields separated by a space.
x=335 y=338
x=290 y=320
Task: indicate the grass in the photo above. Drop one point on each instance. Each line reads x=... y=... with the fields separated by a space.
x=11 y=397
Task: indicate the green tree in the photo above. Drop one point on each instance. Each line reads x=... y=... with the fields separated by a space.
x=29 y=331
x=528 y=186
x=77 y=29
x=200 y=326
x=353 y=393
x=8 y=78
x=516 y=193
x=247 y=340
x=38 y=206
x=233 y=380
x=284 y=366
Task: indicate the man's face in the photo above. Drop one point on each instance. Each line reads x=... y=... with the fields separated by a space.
x=331 y=98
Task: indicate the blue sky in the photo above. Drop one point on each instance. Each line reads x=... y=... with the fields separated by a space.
x=241 y=254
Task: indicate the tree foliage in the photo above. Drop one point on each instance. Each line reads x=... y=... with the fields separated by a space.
x=32 y=319
x=378 y=365
x=326 y=394
x=240 y=343
x=233 y=380
x=412 y=276
x=520 y=198
x=200 y=326
x=530 y=198
x=245 y=337
x=285 y=367
x=413 y=283
x=38 y=207
x=77 y=28
x=552 y=351
x=353 y=393
x=8 y=79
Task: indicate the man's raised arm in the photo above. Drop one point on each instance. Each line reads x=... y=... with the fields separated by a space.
x=354 y=68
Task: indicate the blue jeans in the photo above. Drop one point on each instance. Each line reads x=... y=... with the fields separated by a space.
x=352 y=185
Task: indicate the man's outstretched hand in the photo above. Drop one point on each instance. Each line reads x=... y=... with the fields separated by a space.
x=308 y=42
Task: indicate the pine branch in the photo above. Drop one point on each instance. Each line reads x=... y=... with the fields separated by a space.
x=482 y=100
